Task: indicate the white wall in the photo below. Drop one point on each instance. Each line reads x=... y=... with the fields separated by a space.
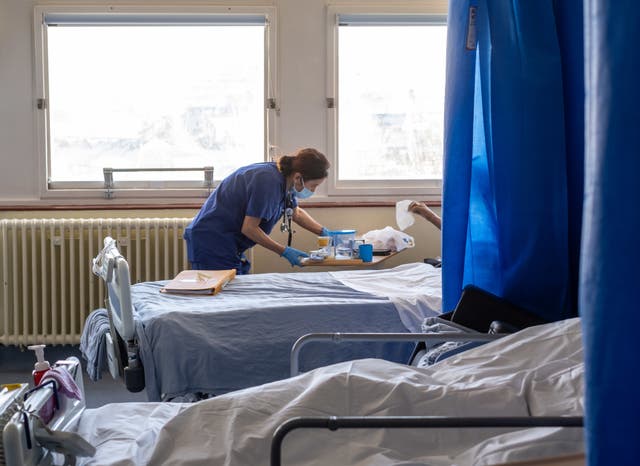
x=300 y=83
x=18 y=176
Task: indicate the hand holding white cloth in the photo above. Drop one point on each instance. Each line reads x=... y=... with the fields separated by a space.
x=404 y=218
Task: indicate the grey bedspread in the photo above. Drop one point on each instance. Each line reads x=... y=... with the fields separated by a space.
x=243 y=336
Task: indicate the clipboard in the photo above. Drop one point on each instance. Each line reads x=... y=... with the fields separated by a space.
x=199 y=282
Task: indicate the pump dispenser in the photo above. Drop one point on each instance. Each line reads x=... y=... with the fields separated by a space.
x=41 y=365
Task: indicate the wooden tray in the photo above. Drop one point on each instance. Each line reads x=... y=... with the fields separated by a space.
x=332 y=262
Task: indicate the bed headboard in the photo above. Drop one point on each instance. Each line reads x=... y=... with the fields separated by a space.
x=113 y=268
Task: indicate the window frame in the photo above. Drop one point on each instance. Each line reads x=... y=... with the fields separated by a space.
x=430 y=189
x=152 y=189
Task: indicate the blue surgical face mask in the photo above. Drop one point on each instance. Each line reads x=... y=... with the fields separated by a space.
x=304 y=193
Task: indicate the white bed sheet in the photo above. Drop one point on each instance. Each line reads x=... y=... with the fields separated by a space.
x=414 y=289
x=538 y=371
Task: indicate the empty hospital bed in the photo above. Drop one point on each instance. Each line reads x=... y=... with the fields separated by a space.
x=534 y=374
x=174 y=344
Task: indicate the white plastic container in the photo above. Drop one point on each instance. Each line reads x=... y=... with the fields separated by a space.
x=41 y=366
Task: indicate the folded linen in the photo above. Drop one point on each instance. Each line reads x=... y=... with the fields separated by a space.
x=93 y=344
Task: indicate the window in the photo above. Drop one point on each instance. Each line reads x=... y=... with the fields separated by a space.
x=138 y=89
x=387 y=76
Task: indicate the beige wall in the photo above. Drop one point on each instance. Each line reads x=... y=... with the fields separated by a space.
x=362 y=219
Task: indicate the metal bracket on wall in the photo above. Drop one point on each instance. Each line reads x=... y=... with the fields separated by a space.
x=109 y=184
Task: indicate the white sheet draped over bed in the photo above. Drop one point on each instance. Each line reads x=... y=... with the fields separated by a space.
x=538 y=372
x=414 y=289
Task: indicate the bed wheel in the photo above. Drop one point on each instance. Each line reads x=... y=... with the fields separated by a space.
x=134 y=379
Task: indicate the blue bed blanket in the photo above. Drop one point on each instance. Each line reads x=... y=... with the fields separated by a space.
x=243 y=336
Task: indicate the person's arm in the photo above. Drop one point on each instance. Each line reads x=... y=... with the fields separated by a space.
x=424 y=211
x=302 y=218
x=251 y=229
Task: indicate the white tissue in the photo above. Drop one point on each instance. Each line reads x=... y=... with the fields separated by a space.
x=404 y=218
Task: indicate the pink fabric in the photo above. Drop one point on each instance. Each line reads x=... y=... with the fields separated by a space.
x=65 y=385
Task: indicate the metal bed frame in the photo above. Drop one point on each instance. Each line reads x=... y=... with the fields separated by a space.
x=415 y=337
x=483 y=314
x=393 y=422
x=123 y=352
x=25 y=440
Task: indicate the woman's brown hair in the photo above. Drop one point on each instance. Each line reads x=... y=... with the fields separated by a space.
x=309 y=162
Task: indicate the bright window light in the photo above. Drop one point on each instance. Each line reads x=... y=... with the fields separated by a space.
x=391 y=102
x=154 y=97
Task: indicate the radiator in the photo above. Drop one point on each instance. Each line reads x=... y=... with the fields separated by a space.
x=47 y=285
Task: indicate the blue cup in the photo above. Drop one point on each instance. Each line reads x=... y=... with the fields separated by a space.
x=366 y=252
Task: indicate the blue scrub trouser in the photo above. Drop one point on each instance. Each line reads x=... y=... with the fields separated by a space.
x=242 y=268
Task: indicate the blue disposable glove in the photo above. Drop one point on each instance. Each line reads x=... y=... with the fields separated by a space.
x=325 y=232
x=293 y=255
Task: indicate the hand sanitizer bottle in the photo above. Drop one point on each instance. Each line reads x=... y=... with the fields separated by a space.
x=41 y=365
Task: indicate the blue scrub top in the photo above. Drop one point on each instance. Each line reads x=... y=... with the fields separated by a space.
x=214 y=238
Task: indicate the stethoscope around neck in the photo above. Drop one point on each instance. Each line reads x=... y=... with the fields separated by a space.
x=287 y=216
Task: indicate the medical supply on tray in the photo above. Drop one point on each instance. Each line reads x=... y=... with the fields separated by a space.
x=356 y=247
x=324 y=241
x=342 y=242
x=41 y=366
x=365 y=252
x=318 y=254
x=341 y=245
x=324 y=246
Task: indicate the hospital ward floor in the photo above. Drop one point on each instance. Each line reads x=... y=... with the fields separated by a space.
x=16 y=365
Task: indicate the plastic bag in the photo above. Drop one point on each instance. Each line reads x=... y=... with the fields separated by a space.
x=389 y=238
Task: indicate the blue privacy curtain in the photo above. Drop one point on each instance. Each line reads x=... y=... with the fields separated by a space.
x=513 y=152
x=610 y=263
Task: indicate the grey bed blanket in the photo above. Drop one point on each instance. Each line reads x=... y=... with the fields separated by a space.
x=243 y=336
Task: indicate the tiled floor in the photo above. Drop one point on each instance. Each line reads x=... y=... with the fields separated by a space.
x=16 y=365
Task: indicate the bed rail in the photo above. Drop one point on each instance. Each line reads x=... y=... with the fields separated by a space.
x=393 y=422
x=29 y=440
x=414 y=337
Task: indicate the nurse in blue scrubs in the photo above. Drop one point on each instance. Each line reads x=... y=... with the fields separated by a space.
x=244 y=208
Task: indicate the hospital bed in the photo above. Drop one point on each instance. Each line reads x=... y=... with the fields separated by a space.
x=534 y=377
x=176 y=344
